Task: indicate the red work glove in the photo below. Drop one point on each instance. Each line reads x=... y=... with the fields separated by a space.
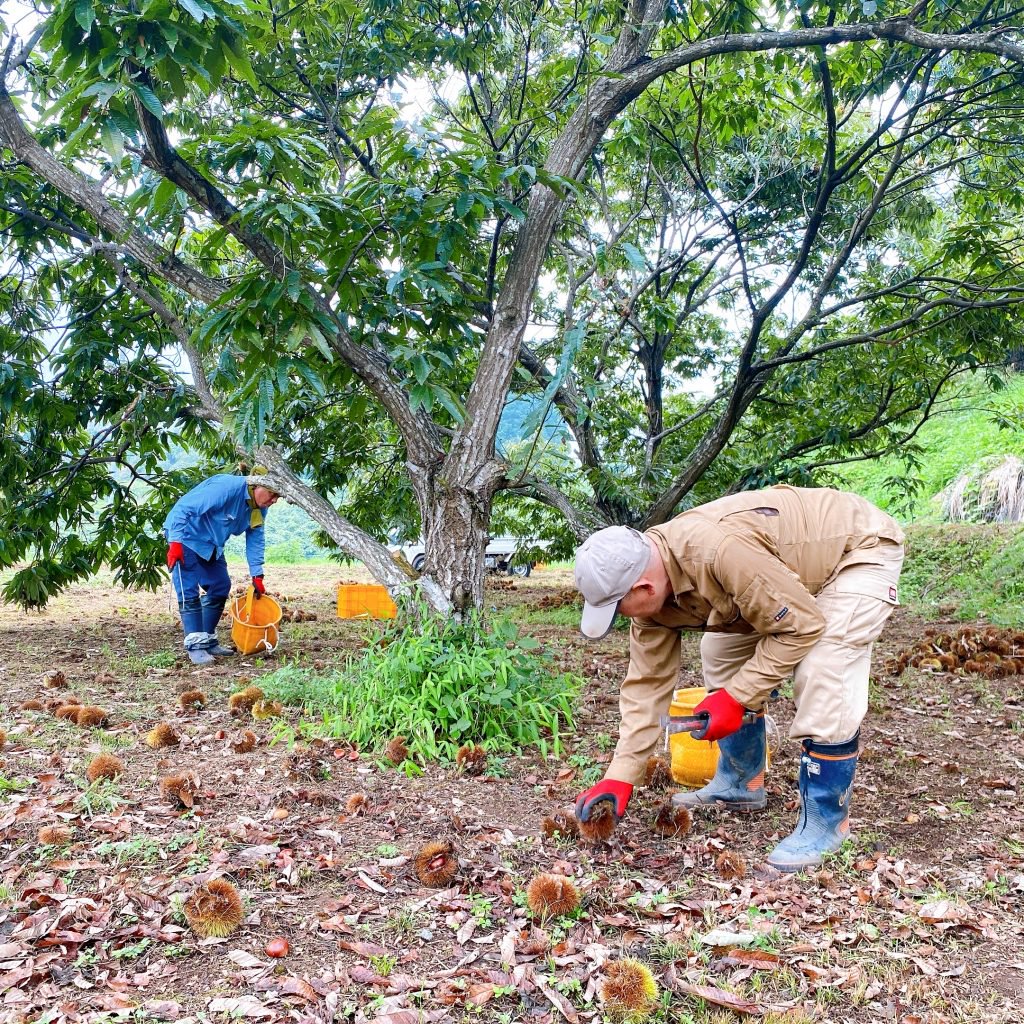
x=257 y=585
x=175 y=553
x=725 y=716
x=615 y=792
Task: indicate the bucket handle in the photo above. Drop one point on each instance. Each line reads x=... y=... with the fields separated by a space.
x=269 y=647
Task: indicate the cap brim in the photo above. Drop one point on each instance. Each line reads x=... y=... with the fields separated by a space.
x=598 y=619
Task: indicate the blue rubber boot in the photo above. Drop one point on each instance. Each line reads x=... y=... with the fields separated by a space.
x=212 y=611
x=826 y=783
x=738 y=784
x=196 y=637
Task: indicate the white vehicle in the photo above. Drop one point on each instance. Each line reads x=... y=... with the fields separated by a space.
x=499 y=556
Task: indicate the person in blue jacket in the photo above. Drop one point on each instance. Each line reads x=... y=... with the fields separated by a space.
x=197 y=529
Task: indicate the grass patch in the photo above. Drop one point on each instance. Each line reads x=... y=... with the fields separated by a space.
x=971 y=571
x=974 y=427
x=568 y=615
x=439 y=686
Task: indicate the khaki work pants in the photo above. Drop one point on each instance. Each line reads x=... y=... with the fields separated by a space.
x=830 y=686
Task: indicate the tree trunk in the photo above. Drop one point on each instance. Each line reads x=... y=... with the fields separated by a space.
x=455 y=498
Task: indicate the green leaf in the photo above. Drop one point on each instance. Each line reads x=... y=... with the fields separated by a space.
x=455 y=408
x=195 y=9
x=420 y=368
x=395 y=280
x=634 y=256
x=320 y=342
x=84 y=14
x=113 y=141
x=149 y=100
x=241 y=65
x=510 y=208
x=102 y=90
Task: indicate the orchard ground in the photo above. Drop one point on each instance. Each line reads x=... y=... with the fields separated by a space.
x=916 y=920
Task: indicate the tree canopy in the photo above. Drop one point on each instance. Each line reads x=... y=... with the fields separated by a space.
x=726 y=244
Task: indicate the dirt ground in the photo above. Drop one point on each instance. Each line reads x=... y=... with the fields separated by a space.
x=919 y=919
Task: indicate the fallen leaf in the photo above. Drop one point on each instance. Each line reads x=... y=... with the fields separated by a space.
x=370 y=883
x=163 y=1009
x=240 y=1006
x=724 y=937
x=718 y=997
x=944 y=910
x=759 y=959
x=244 y=959
x=363 y=948
x=560 y=1003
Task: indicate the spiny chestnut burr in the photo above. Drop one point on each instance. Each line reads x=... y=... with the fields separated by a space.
x=396 y=751
x=214 y=909
x=550 y=895
x=560 y=826
x=180 y=789
x=263 y=709
x=162 y=735
x=670 y=820
x=436 y=863
x=241 y=703
x=192 y=700
x=600 y=826
x=54 y=835
x=471 y=759
x=629 y=991
x=657 y=773
x=245 y=743
x=104 y=766
x=356 y=804
x=730 y=865
x=92 y=717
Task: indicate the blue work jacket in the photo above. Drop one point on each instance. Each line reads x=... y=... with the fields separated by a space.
x=212 y=511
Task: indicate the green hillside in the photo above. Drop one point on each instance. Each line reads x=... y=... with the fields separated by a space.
x=950 y=443
x=290 y=537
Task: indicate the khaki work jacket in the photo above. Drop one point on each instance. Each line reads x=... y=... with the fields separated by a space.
x=749 y=562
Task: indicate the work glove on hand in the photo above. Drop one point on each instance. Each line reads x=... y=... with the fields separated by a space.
x=175 y=553
x=257 y=585
x=615 y=792
x=726 y=716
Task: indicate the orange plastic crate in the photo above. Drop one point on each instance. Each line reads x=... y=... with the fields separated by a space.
x=365 y=601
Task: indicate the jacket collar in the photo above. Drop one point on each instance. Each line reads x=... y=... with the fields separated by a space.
x=681 y=580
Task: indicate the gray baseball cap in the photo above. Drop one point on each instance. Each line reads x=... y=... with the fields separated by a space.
x=608 y=563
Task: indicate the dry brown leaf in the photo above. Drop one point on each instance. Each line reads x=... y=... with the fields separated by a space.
x=363 y=948
x=241 y=1006
x=718 y=997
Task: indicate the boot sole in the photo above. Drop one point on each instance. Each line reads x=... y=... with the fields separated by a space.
x=792 y=866
x=722 y=805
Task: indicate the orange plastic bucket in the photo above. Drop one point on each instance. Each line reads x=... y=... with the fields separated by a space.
x=693 y=761
x=365 y=601
x=254 y=622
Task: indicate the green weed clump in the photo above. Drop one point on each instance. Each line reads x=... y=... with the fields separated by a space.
x=439 y=685
x=971 y=571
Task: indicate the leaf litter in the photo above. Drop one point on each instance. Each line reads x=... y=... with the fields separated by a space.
x=919 y=921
